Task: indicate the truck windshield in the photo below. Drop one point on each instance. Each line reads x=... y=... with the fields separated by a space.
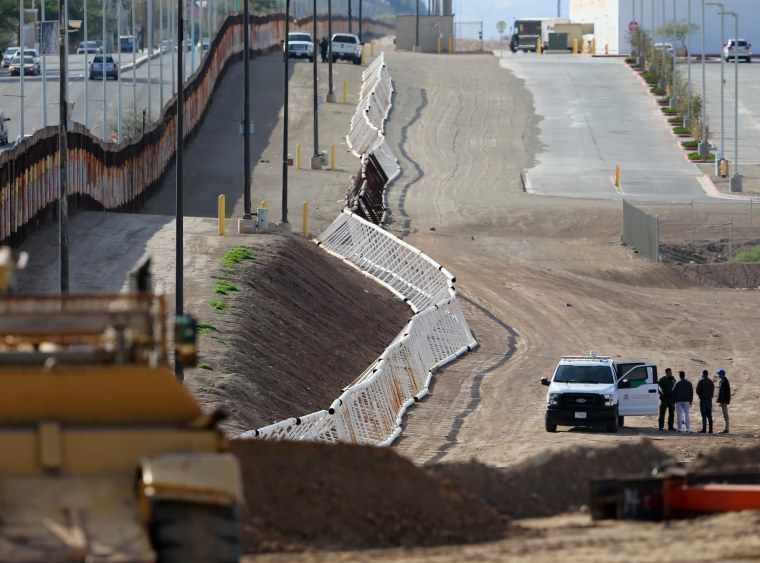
x=583 y=374
x=528 y=27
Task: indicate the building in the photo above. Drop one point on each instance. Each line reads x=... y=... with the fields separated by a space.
x=611 y=19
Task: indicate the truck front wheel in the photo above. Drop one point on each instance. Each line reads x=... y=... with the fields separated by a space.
x=187 y=533
x=614 y=426
x=549 y=426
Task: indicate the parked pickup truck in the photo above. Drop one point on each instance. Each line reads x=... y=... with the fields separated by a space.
x=347 y=47
x=597 y=391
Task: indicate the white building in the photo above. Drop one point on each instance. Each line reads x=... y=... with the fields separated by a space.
x=611 y=19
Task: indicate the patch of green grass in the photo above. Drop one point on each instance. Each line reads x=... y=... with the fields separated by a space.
x=680 y=130
x=205 y=328
x=219 y=305
x=675 y=120
x=668 y=111
x=219 y=340
x=749 y=255
x=223 y=287
x=697 y=156
x=238 y=254
x=205 y=366
x=691 y=144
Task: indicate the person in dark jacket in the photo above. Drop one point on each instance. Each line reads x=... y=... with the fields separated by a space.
x=683 y=396
x=323 y=48
x=724 y=397
x=666 y=399
x=705 y=392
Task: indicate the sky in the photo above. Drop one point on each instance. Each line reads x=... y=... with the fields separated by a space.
x=493 y=11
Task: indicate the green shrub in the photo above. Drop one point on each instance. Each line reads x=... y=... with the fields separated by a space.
x=680 y=130
x=749 y=255
x=669 y=111
x=205 y=328
x=690 y=144
x=223 y=287
x=238 y=254
x=676 y=120
x=219 y=305
x=697 y=156
x=205 y=366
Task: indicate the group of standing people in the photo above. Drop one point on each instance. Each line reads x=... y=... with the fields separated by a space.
x=679 y=396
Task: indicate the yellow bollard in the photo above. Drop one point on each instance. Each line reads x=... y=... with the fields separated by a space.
x=263 y=204
x=372 y=47
x=305 y=219
x=451 y=44
x=221 y=215
x=332 y=157
x=617 y=175
x=345 y=91
x=575 y=46
x=593 y=47
x=363 y=49
x=298 y=156
x=539 y=46
x=438 y=46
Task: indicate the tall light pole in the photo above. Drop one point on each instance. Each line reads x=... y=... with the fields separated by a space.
x=63 y=149
x=330 y=93
x=86 y=88
x=22 y=54
x=349 y=17
x=360 y=22
x=286 y=58
x=118 y=74
x=719 y=156
x=417 y=28
x=247 y=216
x=704 y=148
x=104 y=50
x=179 y=186
x=316 y=159
x=736 y=180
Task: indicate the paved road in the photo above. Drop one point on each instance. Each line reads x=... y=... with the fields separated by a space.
x=749 y=109
x=596 y=114
x=134 y=85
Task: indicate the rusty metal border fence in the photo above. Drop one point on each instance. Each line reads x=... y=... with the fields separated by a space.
x=108 y=177
x=641 y=231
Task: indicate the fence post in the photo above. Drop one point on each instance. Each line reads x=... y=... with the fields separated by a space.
x=298 y=156
x=332 y=156
x=221 y=215
x=691 y=223
x=305 y=219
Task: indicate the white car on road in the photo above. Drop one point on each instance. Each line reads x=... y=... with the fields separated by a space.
x=738 y=49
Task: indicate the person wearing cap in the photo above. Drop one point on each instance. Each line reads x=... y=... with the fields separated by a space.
x=705 y=392
x=724 y=397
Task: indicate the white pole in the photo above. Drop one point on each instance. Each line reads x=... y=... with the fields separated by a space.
x=722 y=149
x=736 y=178
x=192 y=36
x=200 y=31
x=688 y=59
x=86 y=86
x=21 y=61
x=103 y=52
x=118 y=43
x=44 y=77
x=703 y=148
x=161 y=38
x=150 y=53
x=134 y=59
x=178 y=41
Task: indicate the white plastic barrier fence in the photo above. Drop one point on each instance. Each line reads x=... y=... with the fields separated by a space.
x=369 y=411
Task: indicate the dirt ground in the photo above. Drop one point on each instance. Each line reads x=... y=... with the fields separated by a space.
x=538 y=278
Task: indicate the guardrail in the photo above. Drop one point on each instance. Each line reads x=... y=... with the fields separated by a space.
x=370 y=410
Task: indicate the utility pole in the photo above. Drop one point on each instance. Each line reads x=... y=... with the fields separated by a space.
x=247 y=216
x=63 y=150
x=330 y=93
x=286 y=58
x=316 y=159
x=178 y=168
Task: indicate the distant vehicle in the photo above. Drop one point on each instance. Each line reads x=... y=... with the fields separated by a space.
x=526 y=33
x=666 y=48
x=300 y=46
x=737 y=49
x=89 y=47
x=205 y=44
x=104 y=64
x=8 y=55
x=31 y=67
x=167 y=46
x=27 y=53
x=347 y=47
x=127 y=43
x=3 y=129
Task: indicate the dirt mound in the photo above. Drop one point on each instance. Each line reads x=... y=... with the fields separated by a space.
x=302 y=326
x=550 y=483
x=739 y=276
x=303 y=495
x=727 y=459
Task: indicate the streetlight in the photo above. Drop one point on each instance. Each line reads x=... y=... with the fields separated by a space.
x=179 y=181
x=284 y=219
x=736 y=180
x=316 y=159
x=719 y=156
x=330 y=93
x=63 y=149
x=704 y=148
x=246 y=225
x=688 y=67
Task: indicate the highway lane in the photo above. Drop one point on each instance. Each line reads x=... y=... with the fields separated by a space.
x=134 y=93
x=594 y=115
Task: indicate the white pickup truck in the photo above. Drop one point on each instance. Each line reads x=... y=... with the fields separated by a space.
x=347 y=47
x=597 y=391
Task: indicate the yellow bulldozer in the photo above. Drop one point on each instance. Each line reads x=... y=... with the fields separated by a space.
x=104 y=455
